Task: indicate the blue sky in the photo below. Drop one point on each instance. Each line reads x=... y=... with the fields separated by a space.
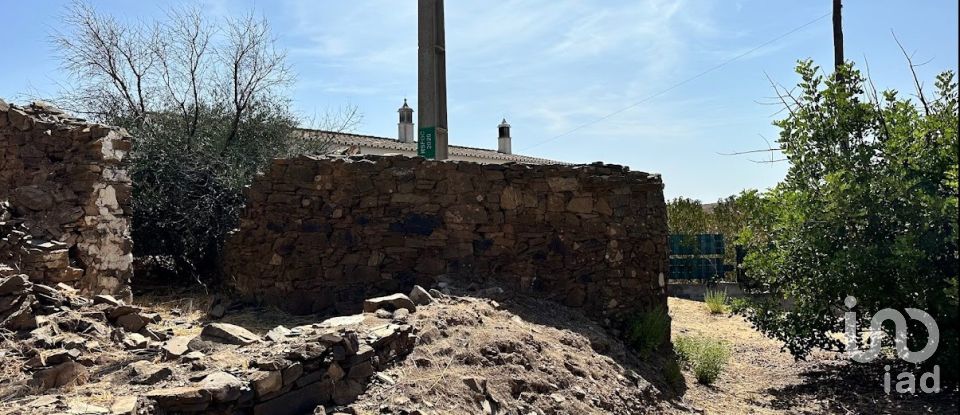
x=550 y=66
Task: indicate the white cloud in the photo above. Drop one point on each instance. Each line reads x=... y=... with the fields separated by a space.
x=553 y=64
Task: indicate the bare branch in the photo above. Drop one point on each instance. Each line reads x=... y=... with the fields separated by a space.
x=255 y=66
x=782 y=96
x=916 y=80
x=92 y=53
x=872 y=94
x=185 y=48
x=765 y=150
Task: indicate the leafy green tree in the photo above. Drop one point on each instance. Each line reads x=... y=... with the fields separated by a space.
x=868 y=209
x=686 y=216
x=727 y=217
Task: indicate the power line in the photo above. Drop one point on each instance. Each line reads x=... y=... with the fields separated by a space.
x=681 y=83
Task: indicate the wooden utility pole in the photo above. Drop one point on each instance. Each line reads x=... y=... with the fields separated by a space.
x=432 y=81
x=837 y=34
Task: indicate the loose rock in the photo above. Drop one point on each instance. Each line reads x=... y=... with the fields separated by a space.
x=277 y=334
x=146 y=373
x=184 y=399
x=222 y=386
x=266 y=382
x=420 y=296
x=228 y=334
x=389 y=303
x=175 y=347
x=65 y=374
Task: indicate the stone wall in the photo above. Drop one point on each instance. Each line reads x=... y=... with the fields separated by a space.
x=293 y=370
x=64 y=200
x=324 y=233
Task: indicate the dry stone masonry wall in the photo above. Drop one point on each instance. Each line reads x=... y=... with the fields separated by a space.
x=64 y=200
x=325 y=233
x=151 y=365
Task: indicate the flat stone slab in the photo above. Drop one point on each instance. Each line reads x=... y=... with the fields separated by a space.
x=342 y=321
x=175 y=347
x=389 y=303
x=184 y=399
x=228 y=334
x=223 y=387
x=146 y=373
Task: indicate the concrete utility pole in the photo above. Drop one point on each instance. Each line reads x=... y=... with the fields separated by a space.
x=432 y=81
x=837 y=34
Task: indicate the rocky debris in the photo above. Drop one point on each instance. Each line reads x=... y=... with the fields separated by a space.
x=181 y=399
x=146 y=373
x=515 y=356
x=228 y=334
x=48 y=402
x=16 y=303
x=106 y=299
x=131 y=322
x=420 y=296
x=62 y=332
x=14 y=285
x=20 y=315
x=220 y=306
x=134 y=341
x=223 y=387
x=266 y=382
x=278 y=334
x=389 y=303
x=192 y=357
x=64 y=374
x=293 y=371
x=400 y=315
x=476 y=384
x=479 y=357
x=125 y=405
x=175 y=347
x=327 y=362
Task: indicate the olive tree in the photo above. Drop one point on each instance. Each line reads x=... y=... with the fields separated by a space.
x=204 y=100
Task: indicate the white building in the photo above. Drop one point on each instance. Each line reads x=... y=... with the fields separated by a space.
x=406 y=144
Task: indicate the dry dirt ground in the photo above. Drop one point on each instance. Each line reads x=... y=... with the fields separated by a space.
x=762 y=379
x=479 y=355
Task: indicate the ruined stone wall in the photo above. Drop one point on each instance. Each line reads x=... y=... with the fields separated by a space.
x=64 y=200
x=321 y=233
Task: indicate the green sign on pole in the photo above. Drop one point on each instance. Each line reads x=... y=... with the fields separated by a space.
x=427 y=143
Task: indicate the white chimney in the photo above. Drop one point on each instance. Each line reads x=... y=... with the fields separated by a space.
x=503 y=142
x=405 y=126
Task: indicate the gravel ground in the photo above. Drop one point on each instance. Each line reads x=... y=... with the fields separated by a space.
x=762 y=379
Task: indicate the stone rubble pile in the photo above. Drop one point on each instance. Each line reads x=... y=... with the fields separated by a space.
x=63 y=339
x=61 y=333
x=64 y=200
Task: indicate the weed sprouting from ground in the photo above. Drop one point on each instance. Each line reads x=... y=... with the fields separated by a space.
x=649 y=330
x=716 y=301
x=672 y=373
x=706 y=357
